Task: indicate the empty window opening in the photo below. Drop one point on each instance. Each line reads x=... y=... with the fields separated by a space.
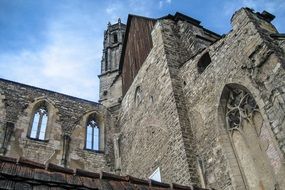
x=115 y=38
x=156 y=175
x=39 y=124
x=203 y=63
x=106 y=60
x=92 y=135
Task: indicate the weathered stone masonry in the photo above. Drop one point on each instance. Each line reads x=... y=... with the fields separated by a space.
x=68 y=121
x=249 y=57
x=160 y=121
x=180 y=125
x=203 y=108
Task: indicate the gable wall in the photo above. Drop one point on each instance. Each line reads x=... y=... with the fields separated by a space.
x=150 y=131
x=137 y=49
x=246 y=56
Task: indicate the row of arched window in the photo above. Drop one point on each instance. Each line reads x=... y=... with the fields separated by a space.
x=39 y=127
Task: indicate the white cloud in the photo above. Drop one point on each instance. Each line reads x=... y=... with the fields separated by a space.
x=160 y=4
x=140 y=7
x=163 y=3
x=68 y=63
x=114 y=11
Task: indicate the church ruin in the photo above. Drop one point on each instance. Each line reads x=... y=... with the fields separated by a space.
x=179 y=104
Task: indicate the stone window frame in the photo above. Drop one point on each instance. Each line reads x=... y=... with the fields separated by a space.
x=238 y=180
x=43 y=115
x=100 y=122
x=233 y=162
x=93 y=127
x=37 y=104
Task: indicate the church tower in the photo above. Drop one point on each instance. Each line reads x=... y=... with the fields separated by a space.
x=110 y=79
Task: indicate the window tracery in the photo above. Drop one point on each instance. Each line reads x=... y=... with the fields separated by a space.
x=249 y=137
x=92 y=140
x=240 y=106
x=39 y=123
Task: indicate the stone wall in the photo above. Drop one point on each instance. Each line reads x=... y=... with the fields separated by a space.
x=249 y=57
x=67 y=117
x=150 y=128
x=180 y=125
x=110 y=88
x=174 y=115
x=155 y=132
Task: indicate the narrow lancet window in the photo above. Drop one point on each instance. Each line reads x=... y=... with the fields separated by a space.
x=92 y=135
x=39 y=124
x=115 y=37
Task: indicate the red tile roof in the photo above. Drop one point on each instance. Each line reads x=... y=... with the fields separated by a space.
x=26 y=174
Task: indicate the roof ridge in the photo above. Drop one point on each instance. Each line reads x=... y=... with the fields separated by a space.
x=33 y=173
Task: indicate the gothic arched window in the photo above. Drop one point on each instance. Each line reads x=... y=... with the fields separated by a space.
x=39 y=124
x=250 y=138
x=92 y=139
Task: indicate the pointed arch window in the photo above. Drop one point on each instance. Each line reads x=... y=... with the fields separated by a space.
x=39 y=124
x=250 y=139
x=92 y=139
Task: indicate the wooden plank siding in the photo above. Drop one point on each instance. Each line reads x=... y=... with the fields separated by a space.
x=137 y=47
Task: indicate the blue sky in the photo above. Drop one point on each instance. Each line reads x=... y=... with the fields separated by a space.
x=57 y=44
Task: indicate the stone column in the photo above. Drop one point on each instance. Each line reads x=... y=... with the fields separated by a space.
x=9 y=128
x=116 y=141
x=65 y=150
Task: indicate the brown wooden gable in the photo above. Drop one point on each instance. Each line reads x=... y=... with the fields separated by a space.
x=137 y=46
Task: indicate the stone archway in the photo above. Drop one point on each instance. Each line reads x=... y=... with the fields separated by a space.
x=249 y=136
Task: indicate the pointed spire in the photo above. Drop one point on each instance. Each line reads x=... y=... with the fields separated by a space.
x=119 y=20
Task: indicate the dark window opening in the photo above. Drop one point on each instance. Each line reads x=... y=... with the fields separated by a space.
x=115 y=37
x=106 y=61
x=203 y=63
